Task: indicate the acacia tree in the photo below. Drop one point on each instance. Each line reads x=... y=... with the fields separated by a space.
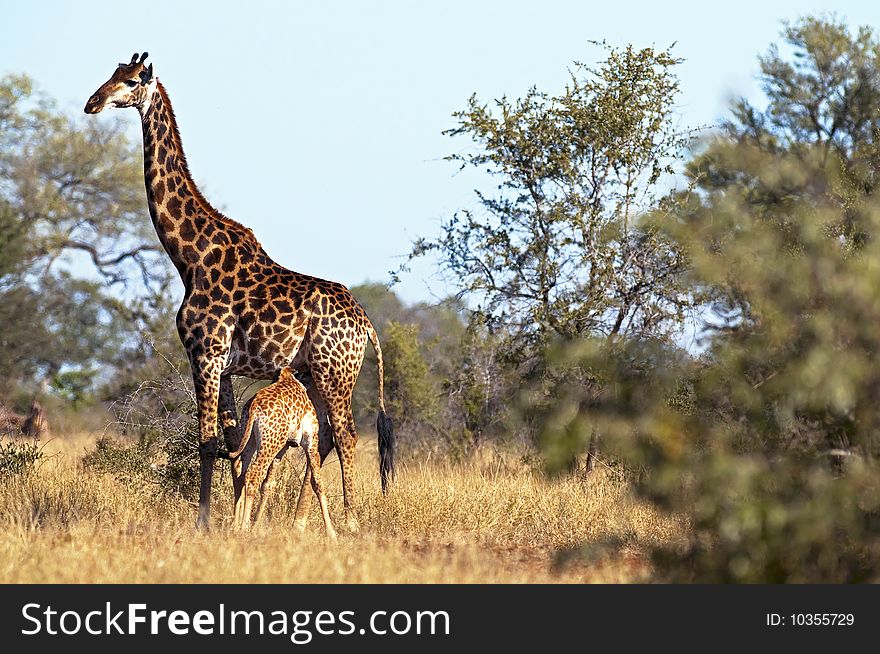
x=77 y=187
x=822 y=99
x=824 y=93
x=769 y=443
x=79 y=263
x=557 y=248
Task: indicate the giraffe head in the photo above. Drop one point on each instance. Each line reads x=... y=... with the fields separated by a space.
x=127 y=87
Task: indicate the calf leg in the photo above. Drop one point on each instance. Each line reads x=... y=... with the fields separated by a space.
x=268 y=485
x=256 y=473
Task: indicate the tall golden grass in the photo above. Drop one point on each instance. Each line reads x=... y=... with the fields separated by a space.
x=491 y=519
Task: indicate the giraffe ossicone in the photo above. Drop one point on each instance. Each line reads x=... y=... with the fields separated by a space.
x=243 y=313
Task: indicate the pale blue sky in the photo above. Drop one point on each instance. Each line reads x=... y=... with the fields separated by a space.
x=318 y=124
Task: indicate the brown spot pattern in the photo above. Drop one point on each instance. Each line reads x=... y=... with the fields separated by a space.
x=244 y=314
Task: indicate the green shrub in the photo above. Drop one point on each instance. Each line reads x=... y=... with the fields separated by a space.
x=169 y=462
x=19 y=458
x=160 y=417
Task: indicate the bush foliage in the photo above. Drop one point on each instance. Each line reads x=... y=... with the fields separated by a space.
x=768 y=441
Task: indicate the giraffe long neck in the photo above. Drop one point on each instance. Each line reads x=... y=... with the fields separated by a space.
x=179 y=212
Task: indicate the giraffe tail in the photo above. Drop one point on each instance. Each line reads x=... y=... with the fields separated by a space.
x=383 y=422
x=246 y=435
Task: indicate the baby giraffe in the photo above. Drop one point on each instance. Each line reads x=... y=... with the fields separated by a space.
x=282 y=415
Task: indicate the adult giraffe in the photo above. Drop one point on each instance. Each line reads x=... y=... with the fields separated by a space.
x=242 y=313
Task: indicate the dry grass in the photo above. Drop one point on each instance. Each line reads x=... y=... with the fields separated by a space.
x=491 y=520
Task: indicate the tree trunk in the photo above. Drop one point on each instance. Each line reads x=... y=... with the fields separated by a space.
x=36 y=425
x=591 y=454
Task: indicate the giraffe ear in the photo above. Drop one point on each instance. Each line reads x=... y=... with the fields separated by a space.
x=146 y=74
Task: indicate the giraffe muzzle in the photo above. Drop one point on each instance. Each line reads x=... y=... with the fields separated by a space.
x=93 y=106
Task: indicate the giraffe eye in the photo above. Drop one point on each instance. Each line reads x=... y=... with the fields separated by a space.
x=131 y=83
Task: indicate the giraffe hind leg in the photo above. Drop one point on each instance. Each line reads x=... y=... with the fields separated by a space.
x=335 y=391
x=345 y=438
x=314 y=466
x=325 y=446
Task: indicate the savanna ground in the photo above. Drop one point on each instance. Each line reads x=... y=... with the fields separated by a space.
x=492 y=519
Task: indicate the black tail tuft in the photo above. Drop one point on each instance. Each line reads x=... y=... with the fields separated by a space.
x=386 y=450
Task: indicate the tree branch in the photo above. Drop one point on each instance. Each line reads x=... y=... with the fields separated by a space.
x=102 y=263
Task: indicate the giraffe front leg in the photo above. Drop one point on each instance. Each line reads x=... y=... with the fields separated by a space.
x=235 y=468
x=228 y=413
x=237 y=489
x=206 y=379
x=240 y=468
x=208 y=446
x=239 y=471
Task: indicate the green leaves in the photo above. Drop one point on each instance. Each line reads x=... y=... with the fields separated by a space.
x=412 y=393
x=823 y=99
x=77 y=251
x=766 y=444
x=556 y=246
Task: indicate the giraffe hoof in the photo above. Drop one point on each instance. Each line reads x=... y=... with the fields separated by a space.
x=353 y=525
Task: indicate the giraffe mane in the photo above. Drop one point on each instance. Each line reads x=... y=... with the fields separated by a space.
x=228 y=222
